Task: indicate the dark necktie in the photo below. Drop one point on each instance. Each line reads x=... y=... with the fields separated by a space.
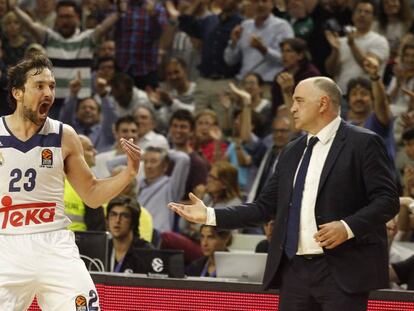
x=292 y=237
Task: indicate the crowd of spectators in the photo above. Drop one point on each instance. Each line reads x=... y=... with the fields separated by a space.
x=204 y=87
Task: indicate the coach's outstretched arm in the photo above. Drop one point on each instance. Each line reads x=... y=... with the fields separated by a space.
x=95 y=192
x=195 y=212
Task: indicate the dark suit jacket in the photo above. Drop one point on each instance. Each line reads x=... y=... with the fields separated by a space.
x=356 y=185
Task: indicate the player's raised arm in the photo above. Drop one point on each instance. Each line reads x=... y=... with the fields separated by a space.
x=95 y=192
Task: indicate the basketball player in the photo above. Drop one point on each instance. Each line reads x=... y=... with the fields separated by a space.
x=38 y=255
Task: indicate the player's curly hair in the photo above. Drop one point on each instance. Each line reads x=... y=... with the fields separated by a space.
x=17 y=75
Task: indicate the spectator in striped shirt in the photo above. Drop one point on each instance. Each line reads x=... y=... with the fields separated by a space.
x=69 y=49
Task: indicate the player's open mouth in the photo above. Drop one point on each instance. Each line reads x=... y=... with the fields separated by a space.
x=44 y=108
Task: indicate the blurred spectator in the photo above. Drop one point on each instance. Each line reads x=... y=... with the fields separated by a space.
x=214 y=32
x=145 y=117
x=127 y=96
x=106 y=69
x=406 y=155
x=403 y=79
x=245 y=150
x=395 y=18
x=181 y=133
x=333 y=15
x=256 y=43
x=89 y=118
x=212 y=239
x=405 y=222
x=157 y=189
x=33 y=49
x=281 y=135
x=176 y=43
x=176 y=93
x=403 y=272
x=369 y=105
x=82 y=216
x=297 y=66
x=299 y=18
x=137 y=37
x=145 y=227
x=44 y=12
x=125 y=127
x=106 y=49
x=348 y=53
x=254 y=85
x=122 y=217
x=222 y=187
x=263 y=246
x=14 y=42
x=70 y=49
x=208 y=136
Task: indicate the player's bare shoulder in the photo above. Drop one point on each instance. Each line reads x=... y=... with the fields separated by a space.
x=70 y=141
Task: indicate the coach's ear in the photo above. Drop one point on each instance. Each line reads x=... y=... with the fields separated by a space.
x=17 y=94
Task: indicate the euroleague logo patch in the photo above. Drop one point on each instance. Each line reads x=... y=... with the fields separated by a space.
x=81 y=303
x=47 y=158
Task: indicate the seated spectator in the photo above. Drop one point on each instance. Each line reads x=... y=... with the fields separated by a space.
x=263 y=246
x=89 y=118
x=208 y=136
x=281 y=135
x=122 y=217
x=297 y=66
x=146 y=120
x=222 y=187
x=125 y=127
x=157 y=189
x=82 y=216
x=212 y=239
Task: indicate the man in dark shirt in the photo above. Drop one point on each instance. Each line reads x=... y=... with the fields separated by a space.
x=214 y=32
x=123 y=220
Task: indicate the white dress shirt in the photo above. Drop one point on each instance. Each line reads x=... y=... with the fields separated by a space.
x=308 y=228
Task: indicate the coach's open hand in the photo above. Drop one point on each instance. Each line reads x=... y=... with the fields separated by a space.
x=196 y=212
x=331 y=234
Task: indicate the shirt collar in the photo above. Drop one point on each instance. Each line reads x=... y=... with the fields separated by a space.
x=328 y=132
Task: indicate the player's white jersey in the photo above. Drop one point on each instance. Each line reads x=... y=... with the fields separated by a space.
x=32 y=181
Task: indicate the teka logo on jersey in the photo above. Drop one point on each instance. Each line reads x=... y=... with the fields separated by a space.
x=26 y=214
x=47 y=158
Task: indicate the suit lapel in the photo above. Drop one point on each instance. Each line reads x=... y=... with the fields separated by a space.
x=337 y=145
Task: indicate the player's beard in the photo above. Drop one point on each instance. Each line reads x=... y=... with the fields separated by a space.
x=32 y=115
